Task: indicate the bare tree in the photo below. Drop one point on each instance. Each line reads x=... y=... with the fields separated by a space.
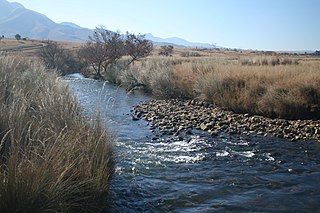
x=137 y=46
x=94 y=55
x=52 y=54
x=103 y=49
x=112 y=43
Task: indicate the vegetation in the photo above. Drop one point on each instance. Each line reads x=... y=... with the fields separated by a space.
x=317 y=52
x=272 y=84
x=264 y=61
x=51 y=159
x=18 y=37
x=166 y=50
x=106 y=47
x=289 y=90
x=137 y=47
x=55 y=56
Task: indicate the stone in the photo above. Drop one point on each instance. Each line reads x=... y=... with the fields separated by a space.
x=204 y=127
x=183 y=115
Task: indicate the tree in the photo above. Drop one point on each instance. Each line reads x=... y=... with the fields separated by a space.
x=93 y=54
x=55 y=56
x=137 y=46
x=18 y=37
x=103 y=49
x=166 y=50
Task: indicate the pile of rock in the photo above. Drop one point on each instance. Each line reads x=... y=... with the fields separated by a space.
x=174 y=116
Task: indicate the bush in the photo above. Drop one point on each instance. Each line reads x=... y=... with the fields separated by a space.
x=51 y=159
x=18 y=37
x=54 y=56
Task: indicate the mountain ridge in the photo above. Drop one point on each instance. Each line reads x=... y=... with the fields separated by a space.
x=16 y=19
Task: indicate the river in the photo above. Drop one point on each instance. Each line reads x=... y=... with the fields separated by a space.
x=199 y=173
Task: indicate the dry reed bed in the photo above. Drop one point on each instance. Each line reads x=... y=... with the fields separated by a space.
x=288 y=90
x=51 y=160
x=284 y=91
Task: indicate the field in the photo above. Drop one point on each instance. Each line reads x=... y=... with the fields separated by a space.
x=272 y=84
x=280 y=85
x=29 y=47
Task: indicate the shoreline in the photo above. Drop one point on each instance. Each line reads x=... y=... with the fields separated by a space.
x=176 y=116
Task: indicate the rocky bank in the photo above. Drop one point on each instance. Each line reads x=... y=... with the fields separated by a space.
x=178 y=116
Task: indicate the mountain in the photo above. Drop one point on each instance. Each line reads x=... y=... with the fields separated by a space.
x=177 y=42
x=70 y=24
x=16 y=19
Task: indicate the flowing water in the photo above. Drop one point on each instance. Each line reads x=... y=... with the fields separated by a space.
x=199 y=173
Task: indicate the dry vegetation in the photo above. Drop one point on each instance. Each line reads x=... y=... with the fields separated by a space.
x=284 y=85
x=284 y=91
x=29 y=47
x=273 y=86
x=51 y=159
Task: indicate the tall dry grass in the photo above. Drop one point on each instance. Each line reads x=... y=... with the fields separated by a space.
x=291 y=91
x=265 y=61
x=158 y=77
x=271 y=86
x=51 y=160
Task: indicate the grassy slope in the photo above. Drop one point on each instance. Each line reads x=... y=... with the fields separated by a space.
x=30 y=46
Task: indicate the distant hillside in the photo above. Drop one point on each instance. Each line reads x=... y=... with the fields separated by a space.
x=179 y=42
x=16 y=19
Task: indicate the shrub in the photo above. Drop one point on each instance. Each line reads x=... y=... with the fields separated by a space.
x=166 y=50
x=54 y=56
x=18 y=37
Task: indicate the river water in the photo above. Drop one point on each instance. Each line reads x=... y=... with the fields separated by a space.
x=199 y=173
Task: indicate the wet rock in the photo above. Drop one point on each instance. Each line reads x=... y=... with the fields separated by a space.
x=204 y=127
x=135 y=118
x=179 y=116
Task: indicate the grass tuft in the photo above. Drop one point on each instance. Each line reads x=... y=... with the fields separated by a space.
x=51 y=159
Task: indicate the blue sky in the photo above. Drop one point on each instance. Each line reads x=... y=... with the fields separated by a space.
x=248 y=24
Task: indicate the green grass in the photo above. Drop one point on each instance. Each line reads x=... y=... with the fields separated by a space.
x=51 y=159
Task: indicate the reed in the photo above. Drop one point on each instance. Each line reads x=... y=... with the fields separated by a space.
x=291 y=91
x=268 y=86
x=51 y=159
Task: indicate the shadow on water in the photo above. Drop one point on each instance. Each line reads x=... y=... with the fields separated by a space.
x=198 y=173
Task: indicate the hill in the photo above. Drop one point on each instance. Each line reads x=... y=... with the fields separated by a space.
x=16 y=19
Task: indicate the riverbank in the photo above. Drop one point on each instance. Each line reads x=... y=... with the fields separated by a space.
x=273 y=87
x=181 y=116
x=51 y=159
x=192 y=173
